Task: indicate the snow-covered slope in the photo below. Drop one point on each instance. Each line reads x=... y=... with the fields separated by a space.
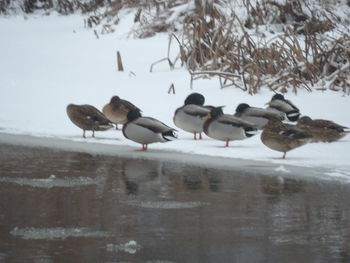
x=48 y=62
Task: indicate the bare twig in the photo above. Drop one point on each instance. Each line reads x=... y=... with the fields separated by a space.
x=171 y=89
x=119 y=62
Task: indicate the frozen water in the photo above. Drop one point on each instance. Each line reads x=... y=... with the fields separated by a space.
x=240 y=216
x=51 y=181
x=282 y=169
x=167 y=204
x=130 y=247
x=57 y=233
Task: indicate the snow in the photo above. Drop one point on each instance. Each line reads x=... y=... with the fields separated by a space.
x=48 y=62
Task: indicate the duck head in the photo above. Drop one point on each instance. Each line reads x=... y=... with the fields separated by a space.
x=242 y=107
x=133 y=115
x=214 y=113
x=115 y=100
x=277 y=96
x=195 y=98
x=305 y=120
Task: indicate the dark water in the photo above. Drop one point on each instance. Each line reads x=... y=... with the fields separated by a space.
x=75 y=207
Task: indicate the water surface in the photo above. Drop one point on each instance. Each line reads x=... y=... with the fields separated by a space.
x=58 y=206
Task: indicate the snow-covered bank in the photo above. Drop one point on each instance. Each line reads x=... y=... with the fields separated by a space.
x=236 y=165
x=48 y=62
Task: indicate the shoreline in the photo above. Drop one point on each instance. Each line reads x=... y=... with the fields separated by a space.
x=251 y=167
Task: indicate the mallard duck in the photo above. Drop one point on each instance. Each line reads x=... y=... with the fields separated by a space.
x=280 y=104
x=322 y=130
x=258 y=116
x=88 y=118
x=225 y=127
x=146 y=130
x=189 y=117
x=283 y=137
x=117 y=109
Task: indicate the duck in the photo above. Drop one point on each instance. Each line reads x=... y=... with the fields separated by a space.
x=117 y=109
x=322 y=130
x=283 y=137
x=146 y=130
x=88 y=118
x=189 y=117
x=226 y=127
x=258 y=116
x=280 y=104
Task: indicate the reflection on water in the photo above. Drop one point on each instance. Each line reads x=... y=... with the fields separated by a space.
x=75 y=207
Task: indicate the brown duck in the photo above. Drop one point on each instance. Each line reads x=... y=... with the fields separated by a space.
x=322 y=130
x=88 y=118
x=117 y=110
x=283 y=137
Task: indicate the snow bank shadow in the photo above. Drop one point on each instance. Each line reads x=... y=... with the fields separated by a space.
x=78 y=138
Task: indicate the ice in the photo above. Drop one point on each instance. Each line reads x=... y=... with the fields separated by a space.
x=51 y=181
x=167 y=204
x=343 y=176
x=282 y=169
x=57 y=233
x=130 y=247
x=159 y=261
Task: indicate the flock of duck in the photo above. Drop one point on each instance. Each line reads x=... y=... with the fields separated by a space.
x=195 y=117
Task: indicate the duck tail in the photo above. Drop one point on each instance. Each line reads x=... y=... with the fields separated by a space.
x=169 y=135
x=293 y=115
x=345 y=129
x=250 y=131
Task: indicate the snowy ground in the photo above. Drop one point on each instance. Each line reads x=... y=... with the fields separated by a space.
x=48 y=62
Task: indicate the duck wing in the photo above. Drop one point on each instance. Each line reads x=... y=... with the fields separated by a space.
x=293 y=131
x=320 y=123
x=234 y=121
x=264 y=113
x=282 y=105
x=93 y=114
x=196 y=110
x=152 y=124
x=292 y=105
x=127 y=106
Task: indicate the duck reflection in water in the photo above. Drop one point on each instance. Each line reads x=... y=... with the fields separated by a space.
x=142 y=176
x=274 y=187
x=205 y=180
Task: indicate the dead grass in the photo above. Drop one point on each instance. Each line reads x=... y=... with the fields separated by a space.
x=296 y=59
